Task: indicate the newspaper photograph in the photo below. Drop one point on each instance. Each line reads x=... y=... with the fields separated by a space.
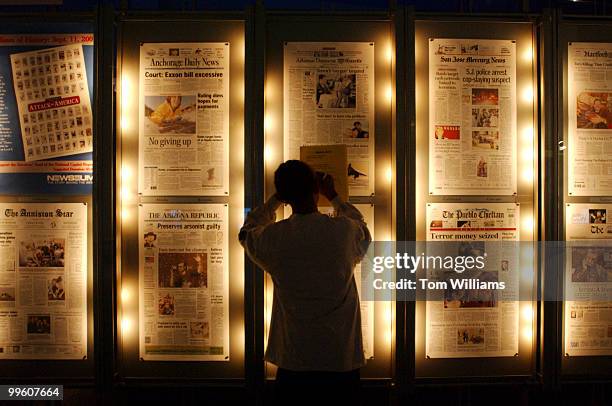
x=474 y=321
x=184 y=282
x=589 y=119
x=472 y=117
x=184 y=119
x=588 y=280
x=53 y=102
x=43 y=281
x=329 y=99
x=367 y=307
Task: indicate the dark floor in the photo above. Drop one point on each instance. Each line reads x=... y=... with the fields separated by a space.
x=584 y=394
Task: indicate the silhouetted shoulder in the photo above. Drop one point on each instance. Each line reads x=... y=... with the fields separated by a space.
x=347 y=222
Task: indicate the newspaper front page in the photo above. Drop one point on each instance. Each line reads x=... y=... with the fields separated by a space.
x=472 y=117
x=588 y=280
x=43 y=281
x=184 y=282
x=184 y=119
x=53 y=102
x=329 y=99
x=589 y=119
x=474 y=322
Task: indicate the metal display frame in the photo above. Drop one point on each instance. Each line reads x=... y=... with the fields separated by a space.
x=548 y=311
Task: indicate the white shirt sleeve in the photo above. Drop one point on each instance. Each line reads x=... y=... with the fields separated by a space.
x=251 y=234
x=363 y=238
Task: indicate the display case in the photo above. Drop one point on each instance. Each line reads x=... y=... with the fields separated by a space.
x=180 y=191
x=47 y=131
x=476 y=178
x=305 y=55
x=583 y=157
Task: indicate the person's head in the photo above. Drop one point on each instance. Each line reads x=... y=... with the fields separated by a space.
x=174 y=101
x=296 y=184
x=181 y=267
x=357 y=124
x=597 y=105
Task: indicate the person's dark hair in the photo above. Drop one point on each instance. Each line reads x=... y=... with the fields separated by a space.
x=295 y=182
x=356 y=122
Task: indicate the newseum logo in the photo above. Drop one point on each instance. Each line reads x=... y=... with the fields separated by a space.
x=69 y=179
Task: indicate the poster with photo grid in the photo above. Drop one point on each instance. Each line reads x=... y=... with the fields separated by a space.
x=53 y=102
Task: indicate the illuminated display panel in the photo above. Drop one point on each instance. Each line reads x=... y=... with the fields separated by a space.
x=229 y=34
x=589 y=93
x=584 y=203
x=283 y=41
x=427 y=31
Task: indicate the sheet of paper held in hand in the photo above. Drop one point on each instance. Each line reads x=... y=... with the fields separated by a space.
x=331 y=159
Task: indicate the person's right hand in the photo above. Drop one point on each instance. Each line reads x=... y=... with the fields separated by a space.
x=326 y=186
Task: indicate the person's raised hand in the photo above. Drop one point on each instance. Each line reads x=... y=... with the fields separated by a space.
x=326 y=186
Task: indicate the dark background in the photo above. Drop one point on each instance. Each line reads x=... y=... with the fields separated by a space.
x=587 y=7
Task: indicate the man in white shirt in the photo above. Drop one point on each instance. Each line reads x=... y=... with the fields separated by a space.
x=315 y=332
